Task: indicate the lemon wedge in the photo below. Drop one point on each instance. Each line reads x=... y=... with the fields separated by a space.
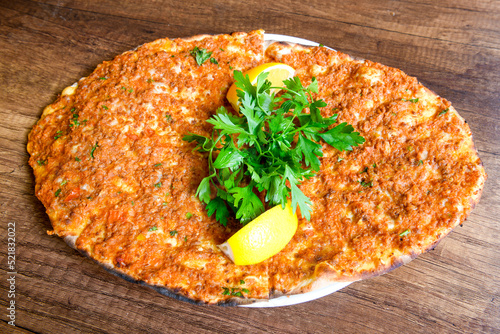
x=263 y=237
x=278 y=72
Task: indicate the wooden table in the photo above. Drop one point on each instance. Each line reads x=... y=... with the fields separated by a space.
x=453 y=47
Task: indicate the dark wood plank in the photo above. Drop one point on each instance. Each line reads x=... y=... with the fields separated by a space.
x=453 y=47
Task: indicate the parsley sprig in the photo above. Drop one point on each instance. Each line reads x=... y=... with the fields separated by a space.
x=271 y=148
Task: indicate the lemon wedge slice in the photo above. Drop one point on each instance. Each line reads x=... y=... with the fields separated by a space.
x=263 y=237
x=278 y=72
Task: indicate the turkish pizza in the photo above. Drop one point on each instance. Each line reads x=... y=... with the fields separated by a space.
x=119 y=182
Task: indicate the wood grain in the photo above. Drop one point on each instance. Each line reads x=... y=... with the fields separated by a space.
x=453 y=47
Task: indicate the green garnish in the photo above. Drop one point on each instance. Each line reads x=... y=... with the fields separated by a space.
x=402 y=234
x=63 y=183
x=168 y=117
x=420 y=162
x=58 y=192
x=154 y=228
x=158 y=185
x=77 y=159
x=366 y=184
x=272 y=146
x=41 y=162
x=157 y=165
x=189 y=215
x=103 y=78
x=201 y=55
x=74 y=120
x=444 y=111
x=105 y=107
x=93 y=149
x=321 y=45
x=415 y=100
x=173 y=233
x=58 y=134
x=237 y=292
x=214 y=61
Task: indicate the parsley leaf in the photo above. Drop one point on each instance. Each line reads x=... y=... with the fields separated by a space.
x=273 y=145
x=200 y=55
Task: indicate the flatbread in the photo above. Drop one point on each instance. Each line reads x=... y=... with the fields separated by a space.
x=119 y=183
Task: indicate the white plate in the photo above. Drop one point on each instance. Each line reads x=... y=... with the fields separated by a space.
x=308 y=296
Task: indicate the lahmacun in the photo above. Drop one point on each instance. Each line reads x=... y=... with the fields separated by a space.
x=119 y=183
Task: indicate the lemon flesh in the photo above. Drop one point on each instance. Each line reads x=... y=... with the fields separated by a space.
x=263 y=237
x=277 y=73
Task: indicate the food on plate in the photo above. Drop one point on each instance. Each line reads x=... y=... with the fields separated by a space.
x=120 y=184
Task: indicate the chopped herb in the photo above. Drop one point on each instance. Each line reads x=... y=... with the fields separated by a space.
x=339 y=159
x=158 y=185
x=444 y=111
x=406 y=232
x=172 y=56
x=167 y=194
x=103 y=78
x=132 y=202
x=200 y=55
x=165 y=203
x=415 y=100
x=64 y=182
x=41 y=162
x=242 y=281
x=271 y=146
x=420 y=162
x=74 y=120
x=154 y=228
x=168 y=117
x=366 y=184
x=237 y=292
x=321 y=45
x=131 y=90
x=105 y=107
x=158 y=164
x=173 y=233
x=230 y=67
x=374 y=165
x=214 y=61
x=185 y=239
x=221 y=49
x=58 y=134
x=124 y=88
x=58 y=192
x=364 y=170
x=410 y=148
x=78 y=159
x=150 y=80
x=93 y=149
x=189 y=215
